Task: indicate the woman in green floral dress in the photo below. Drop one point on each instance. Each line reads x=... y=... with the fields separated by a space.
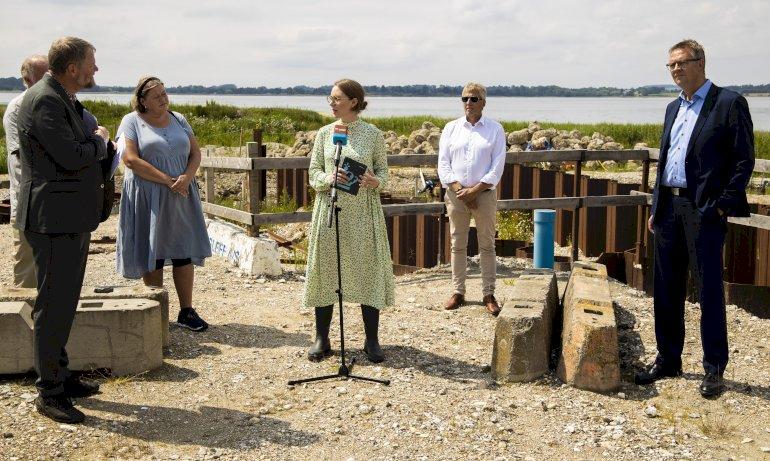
x=367 y=270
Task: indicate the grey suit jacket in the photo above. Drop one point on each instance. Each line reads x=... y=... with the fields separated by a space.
x=62 y=185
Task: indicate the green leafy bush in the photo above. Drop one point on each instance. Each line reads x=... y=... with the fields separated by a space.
x=515 y=225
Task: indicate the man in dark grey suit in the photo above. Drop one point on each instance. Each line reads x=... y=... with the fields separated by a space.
x=60 y=202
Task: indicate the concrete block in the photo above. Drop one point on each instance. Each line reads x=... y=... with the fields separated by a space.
x=120 y=334
x=524 y=327
x=254 y=255
x=589 y=357
x=15 y=337
x=138 y=291
x=589 y=269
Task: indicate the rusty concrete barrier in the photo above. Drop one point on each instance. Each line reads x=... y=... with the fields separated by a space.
x=522 y=349
x=589 y=355
x=139 y=291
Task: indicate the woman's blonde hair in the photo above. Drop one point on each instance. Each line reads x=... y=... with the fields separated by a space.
x=145 y=84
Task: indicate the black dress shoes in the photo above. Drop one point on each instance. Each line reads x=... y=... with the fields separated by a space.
x=713 y=385
x=655 y=372
x=59 y=408
x=80 y=387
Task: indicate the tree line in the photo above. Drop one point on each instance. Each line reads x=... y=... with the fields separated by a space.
x=15 y=84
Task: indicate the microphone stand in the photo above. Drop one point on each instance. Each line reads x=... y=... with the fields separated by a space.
x=333 y=192
x=345 y=369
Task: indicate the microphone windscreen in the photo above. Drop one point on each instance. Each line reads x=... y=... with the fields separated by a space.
x=340 y=135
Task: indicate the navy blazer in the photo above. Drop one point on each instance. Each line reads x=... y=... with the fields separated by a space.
x=720 y=155
x=62 y=183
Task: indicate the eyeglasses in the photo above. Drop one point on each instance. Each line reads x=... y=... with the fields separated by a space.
x=682 y=64
x=470 y=98
x=335 y=100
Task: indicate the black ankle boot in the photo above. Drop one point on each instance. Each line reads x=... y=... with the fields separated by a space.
x=321 y=347
x=372 y=347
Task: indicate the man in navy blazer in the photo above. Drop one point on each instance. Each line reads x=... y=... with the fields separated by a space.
x=706 y=160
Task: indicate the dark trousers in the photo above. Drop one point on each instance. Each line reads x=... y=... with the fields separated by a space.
x=685 y=237
x=60 y=261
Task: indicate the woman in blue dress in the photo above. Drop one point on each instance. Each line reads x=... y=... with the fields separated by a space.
x=161 y=218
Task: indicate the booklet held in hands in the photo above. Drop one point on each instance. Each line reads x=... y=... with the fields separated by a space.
x=354 y=169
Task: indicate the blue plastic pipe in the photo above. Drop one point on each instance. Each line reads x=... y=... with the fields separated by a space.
x=543 y=255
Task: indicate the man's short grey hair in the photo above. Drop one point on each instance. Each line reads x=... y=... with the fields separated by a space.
x=478 y=88
x=33 y=68
x=696 y=49
x=65 y=51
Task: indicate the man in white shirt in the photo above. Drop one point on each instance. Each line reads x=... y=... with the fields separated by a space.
x=470 y=162
x=32 y=69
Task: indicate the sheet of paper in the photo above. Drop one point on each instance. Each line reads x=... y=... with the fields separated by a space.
x=120 y=146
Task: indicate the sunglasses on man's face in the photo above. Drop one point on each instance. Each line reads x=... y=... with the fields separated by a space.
x=470 y=98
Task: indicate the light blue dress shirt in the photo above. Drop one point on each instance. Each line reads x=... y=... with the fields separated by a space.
x=673 y=172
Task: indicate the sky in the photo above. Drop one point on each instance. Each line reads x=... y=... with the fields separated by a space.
x=395 y=42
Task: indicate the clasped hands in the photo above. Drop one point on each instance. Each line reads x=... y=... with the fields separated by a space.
x=368 y=179
x=467 y=195
x=180 y=184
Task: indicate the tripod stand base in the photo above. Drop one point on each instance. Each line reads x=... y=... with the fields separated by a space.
x=343 y=372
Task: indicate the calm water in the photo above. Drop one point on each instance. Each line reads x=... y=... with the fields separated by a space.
x=576 y=110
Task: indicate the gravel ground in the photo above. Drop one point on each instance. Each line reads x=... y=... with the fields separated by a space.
x=223 y=393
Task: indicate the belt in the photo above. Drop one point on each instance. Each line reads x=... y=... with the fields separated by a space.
x=678 y=191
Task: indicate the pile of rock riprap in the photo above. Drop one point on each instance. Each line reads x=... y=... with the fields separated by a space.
x=422 y=141
x=534 y=137
x=425 y=141
x=303 y=145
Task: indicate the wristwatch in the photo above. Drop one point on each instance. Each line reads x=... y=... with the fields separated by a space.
x=456 y=187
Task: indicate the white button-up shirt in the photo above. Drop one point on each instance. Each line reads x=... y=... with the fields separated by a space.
x=12 y=147
x=470 y=154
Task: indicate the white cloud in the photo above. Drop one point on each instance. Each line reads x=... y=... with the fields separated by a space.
x=291 y=42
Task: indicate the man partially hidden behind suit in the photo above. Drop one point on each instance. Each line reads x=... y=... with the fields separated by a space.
x=706 y=160
x=60 y=203
x=32 y=70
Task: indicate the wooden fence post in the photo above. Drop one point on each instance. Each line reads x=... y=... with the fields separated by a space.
x=641 y=222
x=208 y=178
x=576 y=213
x=257 y=179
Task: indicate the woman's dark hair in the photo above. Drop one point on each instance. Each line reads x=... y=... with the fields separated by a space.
x=353 y=89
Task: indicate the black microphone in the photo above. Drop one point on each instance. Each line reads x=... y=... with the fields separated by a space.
x=339 y=138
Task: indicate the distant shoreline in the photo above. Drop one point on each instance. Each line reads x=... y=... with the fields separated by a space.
x=413 y=90
x=377 y=95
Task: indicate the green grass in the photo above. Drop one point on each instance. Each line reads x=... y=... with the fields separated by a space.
x=282 y=204
x=3 y=156
x=404 y=125
x=224 y=125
